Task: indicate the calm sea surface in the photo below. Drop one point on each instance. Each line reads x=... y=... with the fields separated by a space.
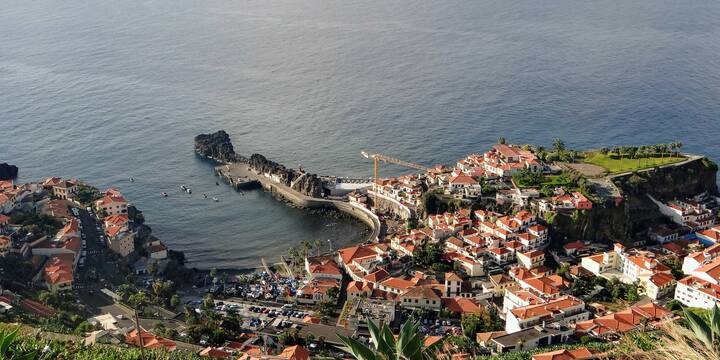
x=108 y=90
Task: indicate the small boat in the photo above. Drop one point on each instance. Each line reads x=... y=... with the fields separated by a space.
x=215 y=199
x=189 y=191
x=204 y=196
x=132 y=179
x=164 y=194
x=183 y=188
x=217 y=183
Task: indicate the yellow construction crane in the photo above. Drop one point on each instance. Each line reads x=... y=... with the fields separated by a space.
x=380 y=157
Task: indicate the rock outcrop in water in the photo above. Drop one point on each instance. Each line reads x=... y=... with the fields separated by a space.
x=8 y=172
x=308 y=184
x=216 y=146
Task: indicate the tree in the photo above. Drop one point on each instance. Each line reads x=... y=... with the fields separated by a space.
x=293 y=254
x=332 y=294
x=174 y=301
x=470 y=325
x=408 y=344
x=318 y=246
x=138 y=300
x=558 y=145
x=501 y=140
x=208 y=301
x=152 y=268
x=304 y=249
x=213 y=272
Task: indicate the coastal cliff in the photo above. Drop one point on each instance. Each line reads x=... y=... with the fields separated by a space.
x=630 y=220
x=218 y=146
x=8 y=172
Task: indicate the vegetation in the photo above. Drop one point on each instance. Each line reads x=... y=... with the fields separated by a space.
x=633 y=158
x=407 y=346
x=87 y=194
x=37 y=224
x=23 y=346
x=428 y=254
x=485 y=320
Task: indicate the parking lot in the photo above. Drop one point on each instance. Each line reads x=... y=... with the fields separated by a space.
x=259 y=317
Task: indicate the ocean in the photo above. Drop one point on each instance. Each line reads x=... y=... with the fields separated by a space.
x=109 y=90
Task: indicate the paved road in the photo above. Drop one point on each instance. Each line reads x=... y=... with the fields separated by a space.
x=105 y=269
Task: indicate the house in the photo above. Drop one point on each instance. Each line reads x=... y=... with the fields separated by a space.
x=215 y=353
x=296 y=352
x=65 y=189
x=322 y=267
x=709 y=236
x=4 y=220
x=565 y=310
x=453 y=284
x=630 y=319
x=464 y=186
x=531 y=338
x=659 y=285
x=157 y=250
x=580 y=201
x=462 y=306
x=695 y=292
x=700 y=288
x=120 y=240
x=58 y=272
x=688 y=213
x=420 y=297
x=628 y=266
x=357 y=197
x=563 y=354
x=697 y=259
x=149 y=341
x=5 y=244
x=358 y=289
x=574 y=247
x=531 y=259
x=111 y=205
x=315 y=291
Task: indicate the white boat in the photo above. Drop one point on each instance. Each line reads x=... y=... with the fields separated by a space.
x=215 y=199
x=164 y=194
x=183 y=188
x=189 y=191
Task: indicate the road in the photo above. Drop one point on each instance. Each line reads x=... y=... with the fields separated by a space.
x=100 y=269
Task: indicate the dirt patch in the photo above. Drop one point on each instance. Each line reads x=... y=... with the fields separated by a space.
x=588 y=170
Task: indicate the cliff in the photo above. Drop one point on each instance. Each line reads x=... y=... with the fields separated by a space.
x=631 y=220
x=8 y=172
x=216 y=146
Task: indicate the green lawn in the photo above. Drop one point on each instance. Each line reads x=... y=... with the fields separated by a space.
x=616 y=165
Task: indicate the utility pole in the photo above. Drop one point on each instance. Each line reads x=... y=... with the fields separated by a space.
x=140 y=339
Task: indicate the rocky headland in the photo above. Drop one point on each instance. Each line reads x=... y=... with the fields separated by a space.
x=219 y=147
x=8 y=172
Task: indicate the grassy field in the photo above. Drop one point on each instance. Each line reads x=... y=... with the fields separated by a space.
x=617 y=165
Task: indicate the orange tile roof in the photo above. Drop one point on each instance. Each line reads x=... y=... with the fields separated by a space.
x=548 y=309
x=575 y=354
x=348 y=254
x=149 y=340
x=461 y=305
x=296 y=352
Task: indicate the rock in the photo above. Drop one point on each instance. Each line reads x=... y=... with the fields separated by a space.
x=8 y=172
x=216 y=146
x=310 y=184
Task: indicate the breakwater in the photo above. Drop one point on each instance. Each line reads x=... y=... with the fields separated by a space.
x=241 y=176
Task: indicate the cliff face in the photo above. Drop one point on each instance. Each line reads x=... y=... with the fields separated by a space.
x=310 y=184
x=216 y=145
x=631 y=220
x=8 y=172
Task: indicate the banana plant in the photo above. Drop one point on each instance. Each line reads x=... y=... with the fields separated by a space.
x=706 y=330
x=6 y=339
x=407 y=346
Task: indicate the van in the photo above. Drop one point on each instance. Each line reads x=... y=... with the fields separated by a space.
x=288 y=306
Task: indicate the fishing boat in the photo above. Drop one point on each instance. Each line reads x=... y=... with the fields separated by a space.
x=183 y=188
x=132 y=179
x=164 y=194
x=189 y=191
x=204 y=196
x=215 y=199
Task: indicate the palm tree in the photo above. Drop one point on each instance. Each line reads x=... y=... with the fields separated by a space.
x=293 y=254
x=318 y=246
x=679 y=146
x=706 y=330
x=501 y=140
x=304 y=249
x=407 y=346
x=558 y=145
